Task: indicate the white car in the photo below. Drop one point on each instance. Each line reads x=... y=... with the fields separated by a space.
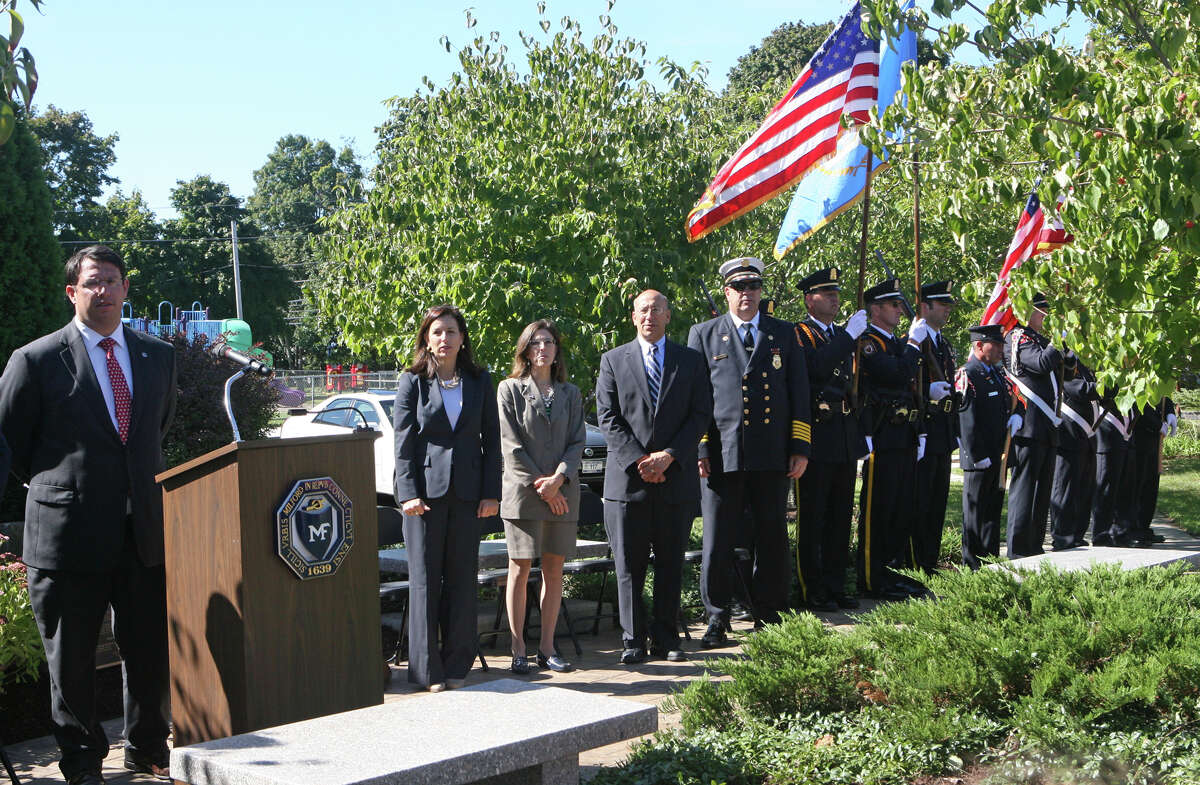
x=344 y=412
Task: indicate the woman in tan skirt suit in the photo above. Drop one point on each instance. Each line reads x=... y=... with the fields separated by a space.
x=541 y=437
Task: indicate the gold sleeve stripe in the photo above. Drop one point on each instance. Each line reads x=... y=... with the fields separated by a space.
x=801 y=430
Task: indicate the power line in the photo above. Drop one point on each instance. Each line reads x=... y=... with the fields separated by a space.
x=167 y=240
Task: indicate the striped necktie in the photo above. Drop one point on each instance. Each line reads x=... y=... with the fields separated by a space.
x=120 y=389
x=653 y=375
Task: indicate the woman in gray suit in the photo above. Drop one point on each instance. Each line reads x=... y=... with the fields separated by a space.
x=447 y=478
x=541 y=435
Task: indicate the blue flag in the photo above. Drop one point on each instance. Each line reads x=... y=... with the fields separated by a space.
x=838 y=184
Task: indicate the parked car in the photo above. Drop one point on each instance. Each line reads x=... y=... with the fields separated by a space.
x=344 y=412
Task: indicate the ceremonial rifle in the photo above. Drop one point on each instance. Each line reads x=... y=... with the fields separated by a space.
x=712 y=304
x=926 y=346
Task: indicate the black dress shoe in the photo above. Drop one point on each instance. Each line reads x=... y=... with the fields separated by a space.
x=668 y=654
x=714 y=637
x=1103 y=541
x=521 y=666
x=890 y=593
x=554 y=662
x=1152 y=537
x=86 y=778
x=740 y=612
x=1058 y=548
x=144 y=764
x=846 y=602
x=633 y=656
x=821 y=604
x=1081 y=543
x=1130 y=541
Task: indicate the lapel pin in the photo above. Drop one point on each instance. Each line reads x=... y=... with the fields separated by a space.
x=724 y=337
x=145 y=355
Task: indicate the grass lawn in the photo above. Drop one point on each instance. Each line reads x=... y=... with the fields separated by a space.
x=1179 y=492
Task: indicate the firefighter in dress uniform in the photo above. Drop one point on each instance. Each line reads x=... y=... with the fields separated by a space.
x=1038 y=370
x=1075 y=461
x=940 y=432
x=890 y=418
x=1153 y=425
x=825 y=493
x=985 y=411
x=760 y=436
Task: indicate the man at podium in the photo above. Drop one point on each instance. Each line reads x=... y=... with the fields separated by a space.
x=84 y=410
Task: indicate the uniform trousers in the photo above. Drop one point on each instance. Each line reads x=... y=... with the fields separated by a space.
x=884 y=516
x=824 y=504
x=634 y=528
x=724 y=498
x=1112 y=516
x=932 y=493
x=69 y=607
x=1029 y=496
x=1146 y=479
x=1071 y=494
x=983 y=499
x=443 y=559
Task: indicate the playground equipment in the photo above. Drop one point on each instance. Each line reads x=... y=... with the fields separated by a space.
x=196 y=321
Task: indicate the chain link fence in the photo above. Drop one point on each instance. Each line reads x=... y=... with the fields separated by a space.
x=306 y=388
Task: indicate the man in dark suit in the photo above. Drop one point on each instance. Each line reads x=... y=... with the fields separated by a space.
x=939 y=434
x=85 y=410
x=759 y=437
x=986 y=412
x=1113 y=509
x=653 y=404
x=825 y=494
x=891 y=421
x=1153 y=424
x=1038 y=369
x=1074 y=462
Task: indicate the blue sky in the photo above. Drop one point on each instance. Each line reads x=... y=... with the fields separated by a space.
x=208 y=87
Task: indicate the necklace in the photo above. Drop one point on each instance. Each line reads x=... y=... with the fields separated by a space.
x=449 y=384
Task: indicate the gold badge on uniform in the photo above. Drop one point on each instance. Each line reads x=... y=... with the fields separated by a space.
x=777 y=362
x=868 y=348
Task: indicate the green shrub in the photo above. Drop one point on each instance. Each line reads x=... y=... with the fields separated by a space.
x=21 y=650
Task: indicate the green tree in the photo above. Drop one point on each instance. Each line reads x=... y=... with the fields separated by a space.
x=302 y=181
x=18 y=75
x=558 y=189
x=77 y=164
x=1117 y=126
x=31 y=279
x=128 y=221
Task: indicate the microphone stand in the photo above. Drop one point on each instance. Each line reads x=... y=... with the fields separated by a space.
x=237 y=436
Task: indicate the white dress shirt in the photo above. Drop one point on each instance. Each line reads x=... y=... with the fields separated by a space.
x=737 y=325
x=645 y=345
x=99 y=358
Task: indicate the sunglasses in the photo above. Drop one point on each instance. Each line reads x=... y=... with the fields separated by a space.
x=745 y=286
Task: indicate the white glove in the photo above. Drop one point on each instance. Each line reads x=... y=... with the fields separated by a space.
x=920 y=447
x=1173 y=424
x=857 y=324
x=939 y=390
x=986 y=463
x=918 y=332
x=870 y=446
x=1014 y=424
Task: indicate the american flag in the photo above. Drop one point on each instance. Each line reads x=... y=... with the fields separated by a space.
x=1054 y=235
x=1029 y=229
x=800 y=132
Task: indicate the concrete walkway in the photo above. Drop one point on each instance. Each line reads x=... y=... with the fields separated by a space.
x=598 y=671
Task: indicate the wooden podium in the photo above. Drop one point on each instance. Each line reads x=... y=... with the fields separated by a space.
x=253 y=645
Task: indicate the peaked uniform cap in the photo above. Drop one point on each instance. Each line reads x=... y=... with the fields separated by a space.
x=821 y=280
x=938 y=290
x=744 y=267
x=886 y=290
x=987 y=332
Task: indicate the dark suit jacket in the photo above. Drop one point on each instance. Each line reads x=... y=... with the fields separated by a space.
x=890 y=369
x=761 y=402
x=830 y=363
x=1038 y=364
x=940 y=426
x=431 y=457
x=81 y=477
x=632 y=429
x=5 y=462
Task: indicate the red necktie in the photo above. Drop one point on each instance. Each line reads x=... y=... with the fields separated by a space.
x=120 y=390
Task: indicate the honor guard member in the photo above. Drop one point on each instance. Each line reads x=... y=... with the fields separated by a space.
x=1038 y=371
x=890 y=419
x=1151 y=427
x=759 y=437
x=986 y=410
x=940 y=435
x=1075 y=461
x=826 y=490
x=1112 y=504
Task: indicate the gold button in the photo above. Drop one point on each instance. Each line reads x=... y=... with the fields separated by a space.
x=766 y=397
x=744 y=388
x=745 y=411
x=745 y=400
x=765 y=385
x=764 y=374
x=766 y=421
x=767 y=410
x=745 y=422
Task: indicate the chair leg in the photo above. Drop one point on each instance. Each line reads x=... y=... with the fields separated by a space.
x=8 y=767
x=683 y=625
x=599 y=604
x=566 y=614
x=500 y=595
x=482 y=662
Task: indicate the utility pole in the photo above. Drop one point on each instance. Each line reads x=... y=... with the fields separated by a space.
x=237 y=272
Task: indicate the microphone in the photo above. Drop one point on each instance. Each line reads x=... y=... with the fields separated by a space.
x=227 y=352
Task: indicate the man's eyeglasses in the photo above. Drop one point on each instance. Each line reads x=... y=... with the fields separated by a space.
x=541 y=343
x=745 y=286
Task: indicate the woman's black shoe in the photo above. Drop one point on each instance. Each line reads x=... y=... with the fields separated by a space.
x=554 y=662
x=521 y=666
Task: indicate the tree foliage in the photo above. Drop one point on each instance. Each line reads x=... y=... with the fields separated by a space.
x=18 y=74
x=557 y=189
x=77 y=164
x=1115 y=126
x=31 y=282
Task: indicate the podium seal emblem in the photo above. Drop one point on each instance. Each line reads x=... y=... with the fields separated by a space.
x=314 y=528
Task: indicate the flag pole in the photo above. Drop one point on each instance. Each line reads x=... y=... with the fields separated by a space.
x=862 y=265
